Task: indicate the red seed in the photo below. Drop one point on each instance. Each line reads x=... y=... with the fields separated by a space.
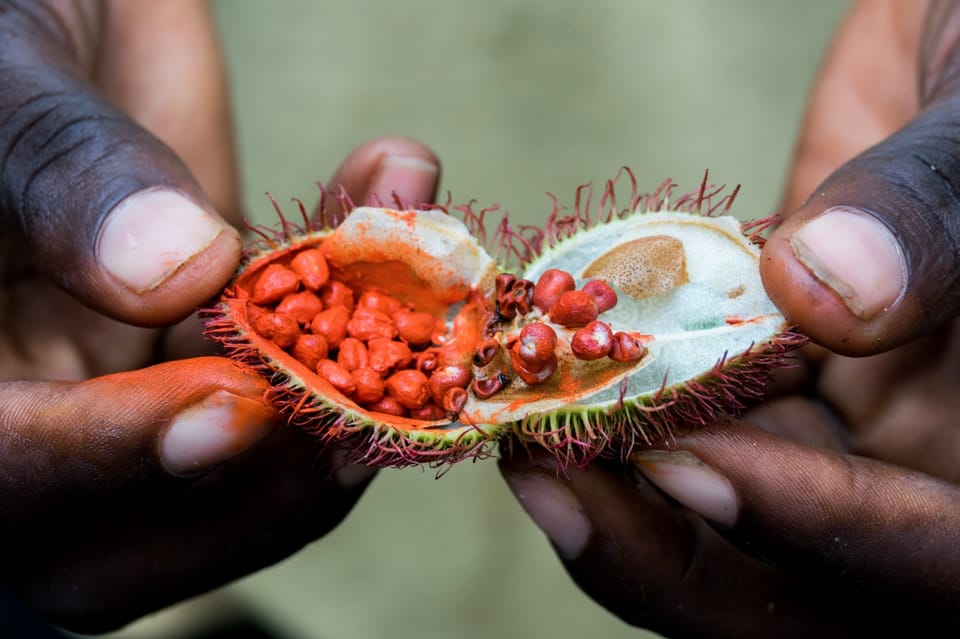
x=388 y=406
x=593 y=341
x=536 y=344
x=282 y=329
x=533 y=375
x=380 y=302
x=331 y=324
x=602 y=294
x=310 y=349
x=302 y=306
x=275 y=282
x=486 y=388
x=415 y=328
x=574 y=309
x=368 y=323
x=409 y=387
x=486 y=351
x=369 y=384
x=445 y=378
x=502 y=284
x=522 y=295
x=627 y=348
x=426 y=361
x=454 y=399
x=386 y=355
x=428 y=412
x=337 y=294
x=337 y=376
x=352 y=354
x=550 y=285
x=312 y=268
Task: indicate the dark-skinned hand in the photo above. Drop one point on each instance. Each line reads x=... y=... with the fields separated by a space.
x=834 y=508
x=132 y=473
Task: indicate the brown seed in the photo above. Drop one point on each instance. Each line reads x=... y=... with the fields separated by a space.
x=386 y=355
x=550 y=285
x=415 y=328
x=369 y=386
x=275 y=282
x=337 y=376
x=445 y=378
x=280 y=328
x=302 y=306
x=310 y=349
x=602 y=294
x=331 y=324
x=312 y=268
x=409 y=387
x=574 y=309
x=336 y=293
x=367 y=324
x=502 y=284
x=388 y=406
x=352 y=354
x=593 y=341
x=536 y=344
x=454 y=399
x=522 y=295
x=627 y=347
x=486 y=351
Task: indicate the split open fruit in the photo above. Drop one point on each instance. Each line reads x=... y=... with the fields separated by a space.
x=397 y=335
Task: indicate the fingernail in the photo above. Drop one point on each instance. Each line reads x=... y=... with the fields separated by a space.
x=349 y=475
x=219 y=427
x=151 y=234
x=687 y=479
x=856 y=255
x=555 y=510
x=411 y=178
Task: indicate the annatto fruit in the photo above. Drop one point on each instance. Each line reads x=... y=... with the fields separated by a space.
x=396 y=335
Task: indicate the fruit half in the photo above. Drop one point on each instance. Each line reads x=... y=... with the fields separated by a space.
x=398 y=336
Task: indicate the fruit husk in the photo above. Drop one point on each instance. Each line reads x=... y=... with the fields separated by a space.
x=398 y=251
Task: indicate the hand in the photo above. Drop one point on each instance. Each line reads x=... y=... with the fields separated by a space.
x=840 y=514
x=121 y=492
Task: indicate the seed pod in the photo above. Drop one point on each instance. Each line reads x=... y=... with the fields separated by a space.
x=302 y=306
x=550 y=285
x=331 y=324
x=602 y=294
x=369 y=385
x=352 y=354
x=274 y=283
x=627 y=347
x=536 y=344
x=310 y=349
x=337 y=376
x=311 y=267
x=593 y=341
x=574 y=309
x=367 y=324
x=443 y=379
x=280 y=328
x=415 y=328
x=386 y=355
x=409 y=387
x=335 y=293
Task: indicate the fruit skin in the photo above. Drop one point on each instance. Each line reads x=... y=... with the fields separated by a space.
x=576 y=436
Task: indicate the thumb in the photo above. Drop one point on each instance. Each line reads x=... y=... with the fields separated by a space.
x=112 y=434
x=98 y=204
x=871 y=260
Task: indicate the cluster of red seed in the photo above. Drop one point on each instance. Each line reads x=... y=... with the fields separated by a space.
x=371 y=347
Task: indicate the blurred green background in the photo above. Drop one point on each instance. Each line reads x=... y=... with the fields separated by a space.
x=518 y=97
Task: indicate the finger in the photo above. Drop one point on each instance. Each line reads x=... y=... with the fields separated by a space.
x=871 y=528
x=384 y=169
x=249 y=513
x=98 y=204
x=70 y=445
x=870 y=261
x=656 y=565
